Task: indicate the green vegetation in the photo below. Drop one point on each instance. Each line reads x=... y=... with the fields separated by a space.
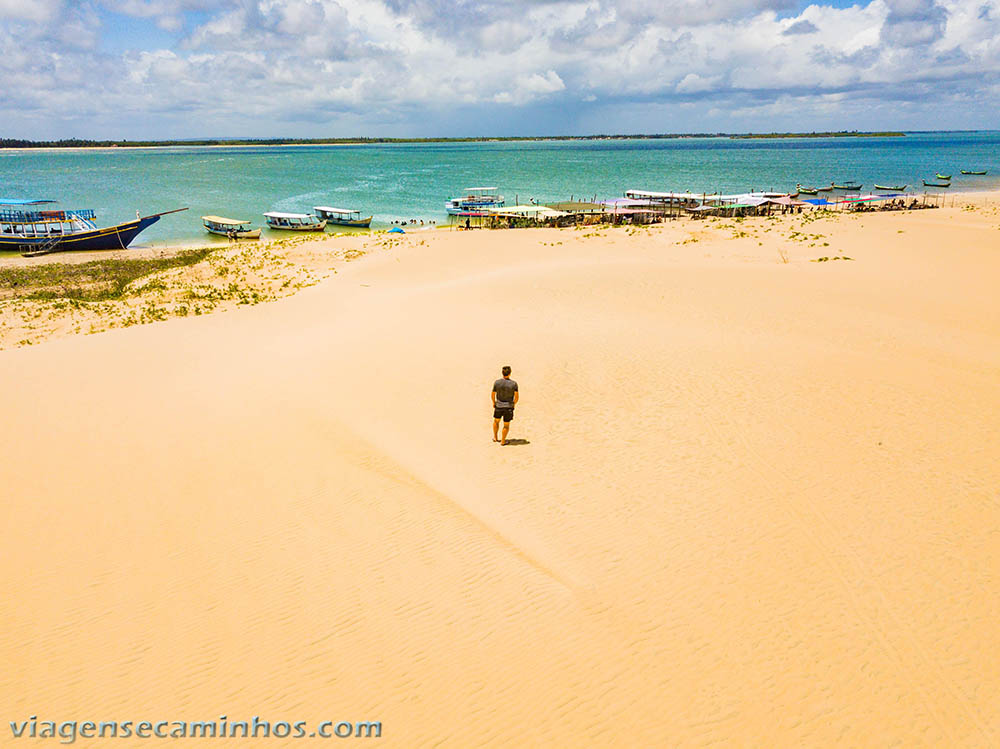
x=83 y=143
x=93 y=281
x=830 y=134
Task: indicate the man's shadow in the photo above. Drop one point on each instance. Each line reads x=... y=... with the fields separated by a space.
x=517 y=442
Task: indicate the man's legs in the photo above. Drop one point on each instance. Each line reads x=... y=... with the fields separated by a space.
x=506 y=428
x=496 y=425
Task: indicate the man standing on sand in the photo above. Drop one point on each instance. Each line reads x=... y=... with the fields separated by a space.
x=504 y=397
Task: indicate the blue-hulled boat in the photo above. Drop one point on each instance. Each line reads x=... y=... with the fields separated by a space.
x=477 y=201
x=30 y=227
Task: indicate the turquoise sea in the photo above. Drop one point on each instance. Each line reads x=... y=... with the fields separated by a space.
x=403 y=181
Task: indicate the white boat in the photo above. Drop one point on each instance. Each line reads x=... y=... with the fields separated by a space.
x=294 y=221
x=343 y=216
x=233 y=228
x=475 y=201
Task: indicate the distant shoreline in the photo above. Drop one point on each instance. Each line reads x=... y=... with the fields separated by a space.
x=14 y=144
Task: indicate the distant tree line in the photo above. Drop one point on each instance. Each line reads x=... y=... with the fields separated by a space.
x=83 y=143
x=829 y=134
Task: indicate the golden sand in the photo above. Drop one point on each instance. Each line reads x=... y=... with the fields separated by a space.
x=754 y=502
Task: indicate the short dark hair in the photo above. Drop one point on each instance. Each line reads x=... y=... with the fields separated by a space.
x=505 y=371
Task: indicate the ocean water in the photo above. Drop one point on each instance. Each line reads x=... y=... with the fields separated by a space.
x=403 y=181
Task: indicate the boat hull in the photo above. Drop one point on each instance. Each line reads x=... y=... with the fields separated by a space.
x=117 y=237
x=252 y=234
x=465 y=207
x=319 y=226
x=362 y=223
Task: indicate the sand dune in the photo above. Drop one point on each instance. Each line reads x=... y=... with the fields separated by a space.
x=754 y=503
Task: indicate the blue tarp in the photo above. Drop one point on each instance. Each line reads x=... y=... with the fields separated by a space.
x=818 y=201
x=396 y=230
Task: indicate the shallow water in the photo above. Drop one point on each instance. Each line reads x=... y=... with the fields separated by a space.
x=406 y=181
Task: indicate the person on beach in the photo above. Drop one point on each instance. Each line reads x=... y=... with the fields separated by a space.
x=504 y=397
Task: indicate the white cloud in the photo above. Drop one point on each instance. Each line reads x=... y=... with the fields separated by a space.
x=39 y=11
x=352 y=61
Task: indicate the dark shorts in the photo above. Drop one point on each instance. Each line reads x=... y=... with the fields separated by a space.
x=503 y=413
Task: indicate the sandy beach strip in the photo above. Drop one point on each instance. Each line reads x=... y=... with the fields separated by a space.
x=753 y=499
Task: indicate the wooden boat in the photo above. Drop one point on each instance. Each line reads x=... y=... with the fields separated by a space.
x=846 y=186
x=894 y=188
x=233 y=228
x=475 y=199
x=825 y=189
x=343 y=216
x=944 y=177
x=964 y=171
x=936 y=184
x=294 y=221
x=27 y=228
x=807 y=190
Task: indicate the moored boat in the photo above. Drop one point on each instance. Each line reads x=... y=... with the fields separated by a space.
x=233 y=228
x=936 y=184
x=27 y=227
x=966 y=171
x=475 y=199
x=343 y=216
x=825 y=189
x=944 y=177
x=846 y=186
x=294 y=221
x=895 y=188
x=807 y=190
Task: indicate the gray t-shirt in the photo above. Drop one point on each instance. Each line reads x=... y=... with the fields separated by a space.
x=505 y=389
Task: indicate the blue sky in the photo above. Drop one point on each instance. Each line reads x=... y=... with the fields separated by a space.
x=143 y=69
